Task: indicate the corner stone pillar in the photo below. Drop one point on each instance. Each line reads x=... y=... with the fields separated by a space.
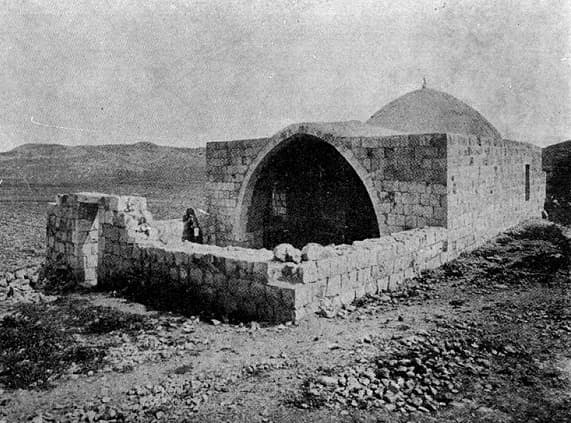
x=73 y=231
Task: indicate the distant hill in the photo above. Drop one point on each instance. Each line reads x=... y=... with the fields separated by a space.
x=55 y=164
x=557 y=165
x=556 y=153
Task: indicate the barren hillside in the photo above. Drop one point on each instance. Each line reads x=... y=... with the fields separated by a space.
x=55 y=164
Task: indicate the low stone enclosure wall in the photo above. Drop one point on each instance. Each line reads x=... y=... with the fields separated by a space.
x=112 y=242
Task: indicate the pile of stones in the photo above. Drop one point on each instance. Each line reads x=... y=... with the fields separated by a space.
x=19 y=286
x=416 y=374
x=273 y=363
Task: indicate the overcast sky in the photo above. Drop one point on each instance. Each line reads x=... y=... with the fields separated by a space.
x=186 y=72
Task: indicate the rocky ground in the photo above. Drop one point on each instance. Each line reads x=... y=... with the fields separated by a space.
x=22 y=242
x=486 y=338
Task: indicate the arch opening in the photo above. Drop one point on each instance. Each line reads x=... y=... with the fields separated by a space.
x=306 y=191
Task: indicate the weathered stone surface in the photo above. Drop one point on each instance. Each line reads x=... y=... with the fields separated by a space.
x=313 y=251
x=287 y=253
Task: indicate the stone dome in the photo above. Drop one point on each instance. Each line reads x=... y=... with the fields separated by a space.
x=431 y=111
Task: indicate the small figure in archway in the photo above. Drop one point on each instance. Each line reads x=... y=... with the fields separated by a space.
x=191 y=229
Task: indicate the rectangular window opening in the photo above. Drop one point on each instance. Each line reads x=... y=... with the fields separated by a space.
x=526 y=182
x=279 y=202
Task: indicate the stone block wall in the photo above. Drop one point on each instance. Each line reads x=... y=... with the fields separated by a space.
x=227 y=166
x=169 y=231
x=408 y=173
x=82 y=227
x=405 y=176
x=72 y=237
x=125 y=222
x=487 y=188
x=238 y=282
x=366 y=267
x=229 y=281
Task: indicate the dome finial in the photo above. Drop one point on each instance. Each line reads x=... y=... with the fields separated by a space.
x=423 y=82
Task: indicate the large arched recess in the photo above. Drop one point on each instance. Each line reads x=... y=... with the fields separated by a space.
x=303 y=189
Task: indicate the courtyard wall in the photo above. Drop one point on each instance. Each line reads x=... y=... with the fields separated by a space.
x=119 y=246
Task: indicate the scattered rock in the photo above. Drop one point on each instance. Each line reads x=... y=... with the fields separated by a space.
x=415 y=374
x=326 y=312
x=19 y=287
x=21 y=274
x=327 y=380
x=510 y=349
x=485 y=410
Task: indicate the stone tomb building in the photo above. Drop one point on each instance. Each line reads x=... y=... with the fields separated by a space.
x=425 y=159
x=423 y=180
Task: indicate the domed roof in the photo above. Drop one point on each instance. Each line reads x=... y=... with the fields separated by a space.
x=431 y=111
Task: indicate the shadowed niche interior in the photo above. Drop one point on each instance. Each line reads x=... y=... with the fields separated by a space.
x=307 y=192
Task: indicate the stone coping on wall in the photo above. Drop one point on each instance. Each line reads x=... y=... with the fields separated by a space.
x=388 y=252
